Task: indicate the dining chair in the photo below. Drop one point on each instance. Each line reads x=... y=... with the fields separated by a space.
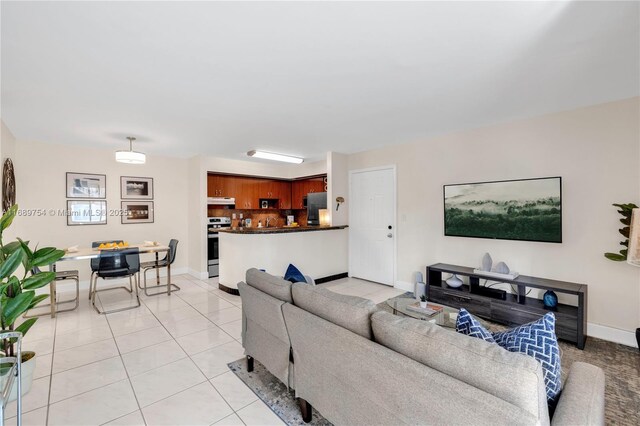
x=162 y=263
x=55 y=304
x=117 y=264
x=95 y=261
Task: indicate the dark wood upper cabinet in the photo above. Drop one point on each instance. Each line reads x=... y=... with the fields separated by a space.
x=249 y=190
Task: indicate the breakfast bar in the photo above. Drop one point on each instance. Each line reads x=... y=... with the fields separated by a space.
x=318 y=251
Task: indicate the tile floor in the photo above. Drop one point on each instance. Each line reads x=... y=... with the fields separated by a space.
x=164 y=363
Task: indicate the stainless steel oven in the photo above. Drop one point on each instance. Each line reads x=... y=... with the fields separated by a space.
x=213 y=243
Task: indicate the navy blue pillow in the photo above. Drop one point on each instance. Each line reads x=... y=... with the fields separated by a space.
x=538 y=339
x=467 y=324
x=294 y=275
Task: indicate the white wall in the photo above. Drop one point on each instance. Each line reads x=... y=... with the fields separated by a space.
x=40 y=181
x=596 y=150
x=338 y=177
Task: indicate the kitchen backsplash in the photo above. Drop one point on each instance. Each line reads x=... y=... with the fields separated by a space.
x=300 y=216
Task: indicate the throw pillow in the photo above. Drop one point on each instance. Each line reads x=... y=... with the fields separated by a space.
x=467 y=324
x=294 y=275
x=537 y=339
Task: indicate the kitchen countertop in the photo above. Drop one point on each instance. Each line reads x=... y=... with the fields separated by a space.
x=279 y=230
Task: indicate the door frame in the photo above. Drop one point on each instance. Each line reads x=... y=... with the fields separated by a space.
x=393 y=168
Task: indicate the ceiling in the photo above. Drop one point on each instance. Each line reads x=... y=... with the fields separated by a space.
x=303 y=78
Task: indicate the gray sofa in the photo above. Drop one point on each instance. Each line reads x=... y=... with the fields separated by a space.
x=357 y=365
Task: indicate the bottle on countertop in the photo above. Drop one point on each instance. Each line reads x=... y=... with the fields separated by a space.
x=259 y=224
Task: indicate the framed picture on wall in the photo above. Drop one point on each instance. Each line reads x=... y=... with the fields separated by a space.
x=86 y=185
x=86 y=212
x=137 y=212
x=136 y=188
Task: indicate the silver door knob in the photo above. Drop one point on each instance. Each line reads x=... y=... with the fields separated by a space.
x=389 y=235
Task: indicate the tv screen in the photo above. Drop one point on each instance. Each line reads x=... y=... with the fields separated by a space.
x=524 y=209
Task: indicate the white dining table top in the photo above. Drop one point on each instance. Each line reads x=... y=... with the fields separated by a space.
x=91 y=253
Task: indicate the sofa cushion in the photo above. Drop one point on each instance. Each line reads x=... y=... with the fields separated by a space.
x=513 y=377
x=538 y=340
x=350 y=312
x=267 y=283
x=469 y=325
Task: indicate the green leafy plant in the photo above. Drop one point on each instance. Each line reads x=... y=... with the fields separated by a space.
x=625 y=210
x=423 y=298
x=17 y=288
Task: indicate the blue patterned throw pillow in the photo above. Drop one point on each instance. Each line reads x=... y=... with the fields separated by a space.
x=467 y=324
x=294 y=275
x=537 y=339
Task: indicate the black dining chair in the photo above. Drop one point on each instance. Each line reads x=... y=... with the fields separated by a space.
x=95 y=261
x=55 y=304
x=162 y=263
x=115 y=264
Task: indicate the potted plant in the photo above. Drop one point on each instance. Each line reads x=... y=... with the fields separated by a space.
x=423 y=301
x=17 y=293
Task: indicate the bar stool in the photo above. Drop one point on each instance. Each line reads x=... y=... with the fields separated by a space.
x=55 y=304
x=116 y=264
x=163 y=263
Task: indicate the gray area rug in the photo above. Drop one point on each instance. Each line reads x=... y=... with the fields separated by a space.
x=274 y=393
x=621 y=365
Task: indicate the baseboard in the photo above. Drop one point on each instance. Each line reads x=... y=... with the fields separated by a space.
x=404 y=285
x=197 y=274
x=611 y=334
x=330 y=278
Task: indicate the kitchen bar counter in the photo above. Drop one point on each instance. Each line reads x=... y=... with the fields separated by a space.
x=278 y=230
x=317 y=254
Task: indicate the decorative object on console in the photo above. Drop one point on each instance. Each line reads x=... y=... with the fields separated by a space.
x=136 y=188
x=454 y=281
x=550 y=300
x=423 y=301
x=501 y=268
x=524 y=209
x=420 y=287
x=487 y=262
x=626 y=211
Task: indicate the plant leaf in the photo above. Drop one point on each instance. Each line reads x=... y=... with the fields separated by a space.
x=625 y=231
x=38 y=280
x=8 y=217
x=39 y=298
x=624 y=243
x=46 y=257
x=11 y=263
x=16 y=306
x=615 y=257
x=25 y=326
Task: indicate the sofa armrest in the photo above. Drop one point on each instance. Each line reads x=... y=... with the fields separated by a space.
x=582 y=398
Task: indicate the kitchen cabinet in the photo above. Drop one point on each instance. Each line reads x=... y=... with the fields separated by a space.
x=247 y=194
x=300 y=189
x=221 y=186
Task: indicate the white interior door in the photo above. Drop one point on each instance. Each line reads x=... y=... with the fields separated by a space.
x=372 y=227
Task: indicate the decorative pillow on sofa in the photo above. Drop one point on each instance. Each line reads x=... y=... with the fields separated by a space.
x=467 y=324
x=536 y=339
x=294 y=275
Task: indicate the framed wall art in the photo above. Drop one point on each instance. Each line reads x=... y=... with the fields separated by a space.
x=136 y=188
x=137 y=212
x=524 y=209
x=86 y=212
x=86 y=185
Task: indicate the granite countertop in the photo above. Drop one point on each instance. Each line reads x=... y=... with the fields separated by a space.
x=279 y=230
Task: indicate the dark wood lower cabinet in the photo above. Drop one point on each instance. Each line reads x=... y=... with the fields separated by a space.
x=514 y=309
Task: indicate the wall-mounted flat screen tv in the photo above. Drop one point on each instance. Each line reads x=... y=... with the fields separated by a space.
x=524 y=209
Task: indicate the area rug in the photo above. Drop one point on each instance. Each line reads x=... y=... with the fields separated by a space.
x=621 y=365
x=274 y=393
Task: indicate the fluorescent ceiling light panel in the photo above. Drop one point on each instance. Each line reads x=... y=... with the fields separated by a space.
x=275 y=157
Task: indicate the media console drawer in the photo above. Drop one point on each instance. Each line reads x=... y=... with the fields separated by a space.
x=515 y=309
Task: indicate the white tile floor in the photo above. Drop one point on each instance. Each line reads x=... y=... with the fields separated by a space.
x=164 y=363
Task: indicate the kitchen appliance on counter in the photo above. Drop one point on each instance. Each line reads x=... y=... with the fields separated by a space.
x=221 y=202
x=213 y=243
x=315 y=202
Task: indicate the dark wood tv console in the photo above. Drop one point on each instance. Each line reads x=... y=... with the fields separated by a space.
x=515 y=309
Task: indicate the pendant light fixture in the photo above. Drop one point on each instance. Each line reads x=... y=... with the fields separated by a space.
x=130 y=156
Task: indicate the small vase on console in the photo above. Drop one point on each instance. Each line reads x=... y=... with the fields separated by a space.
x=454 y=281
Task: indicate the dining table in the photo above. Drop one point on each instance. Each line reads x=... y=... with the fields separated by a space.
x=83 y=253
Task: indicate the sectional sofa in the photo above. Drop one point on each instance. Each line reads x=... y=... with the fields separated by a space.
x=358 y=365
